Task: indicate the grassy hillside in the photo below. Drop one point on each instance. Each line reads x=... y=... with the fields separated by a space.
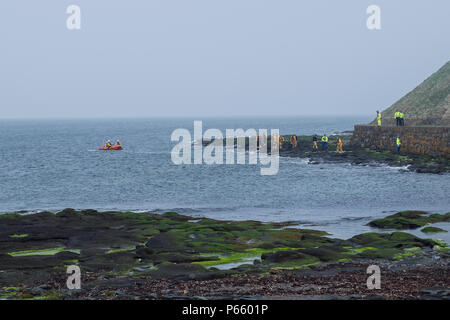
x=427 y=104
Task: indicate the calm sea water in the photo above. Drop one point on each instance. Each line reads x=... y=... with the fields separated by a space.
x=49 y=165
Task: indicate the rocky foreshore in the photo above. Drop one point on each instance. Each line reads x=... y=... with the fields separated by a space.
x=359 y=156
x=366 y=156
x=126 y=255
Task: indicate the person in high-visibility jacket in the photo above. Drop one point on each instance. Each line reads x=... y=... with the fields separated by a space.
x=274 y=140
x=108 y=144
x=397 y=118
x=294 y=141
x=401 y=115
x=399 y=143
x=379 y=118
x=262 y=141
x=324 y=142
x=281 y=141
x=315 y=147
x=339 y=146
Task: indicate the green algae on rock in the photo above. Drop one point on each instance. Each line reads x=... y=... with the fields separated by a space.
x=154 y=246
x=432 y=230
x=390 y=245
x=19 y=235
x=408 y=220
x=41 y=252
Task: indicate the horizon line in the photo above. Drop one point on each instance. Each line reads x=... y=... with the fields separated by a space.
x=189 y=117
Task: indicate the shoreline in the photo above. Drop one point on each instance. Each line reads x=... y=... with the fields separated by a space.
x=355 y=155
x=125 y=255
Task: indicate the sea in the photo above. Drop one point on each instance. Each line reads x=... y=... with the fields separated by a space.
x=56 y=164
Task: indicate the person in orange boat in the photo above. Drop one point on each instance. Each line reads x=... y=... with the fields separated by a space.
x=108 y=145
x=117 y=146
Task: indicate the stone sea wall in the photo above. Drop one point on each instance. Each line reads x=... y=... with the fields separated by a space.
x=433 y=141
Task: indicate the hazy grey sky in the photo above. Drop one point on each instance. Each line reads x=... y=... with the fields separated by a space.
x=146 y=58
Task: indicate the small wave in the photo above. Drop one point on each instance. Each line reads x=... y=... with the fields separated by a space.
x=354 y=218
x=403 y=168
x=318 y=224
x=300 y=161
x=178 y=210
x=24 y=212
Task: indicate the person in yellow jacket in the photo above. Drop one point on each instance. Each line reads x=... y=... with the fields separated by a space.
x=294 y=141
x=324 y=142
x=379 y=118
x=401 y=115
x=274 y=140
x=339 y=146
x=399 y=143
x=264 y=140
x=281 y=141
x=397 y=118
x=315 y=143
x=108 y=144
x=274 y=137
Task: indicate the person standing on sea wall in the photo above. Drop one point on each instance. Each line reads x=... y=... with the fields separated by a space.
x=379 y=118
x=399 y=143
x=397 y=118
x=402 y=119
x=324 y=142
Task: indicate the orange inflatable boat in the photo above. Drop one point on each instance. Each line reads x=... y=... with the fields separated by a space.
x=113 y=147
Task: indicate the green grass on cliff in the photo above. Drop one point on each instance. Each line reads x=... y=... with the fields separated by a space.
x=427 y=104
